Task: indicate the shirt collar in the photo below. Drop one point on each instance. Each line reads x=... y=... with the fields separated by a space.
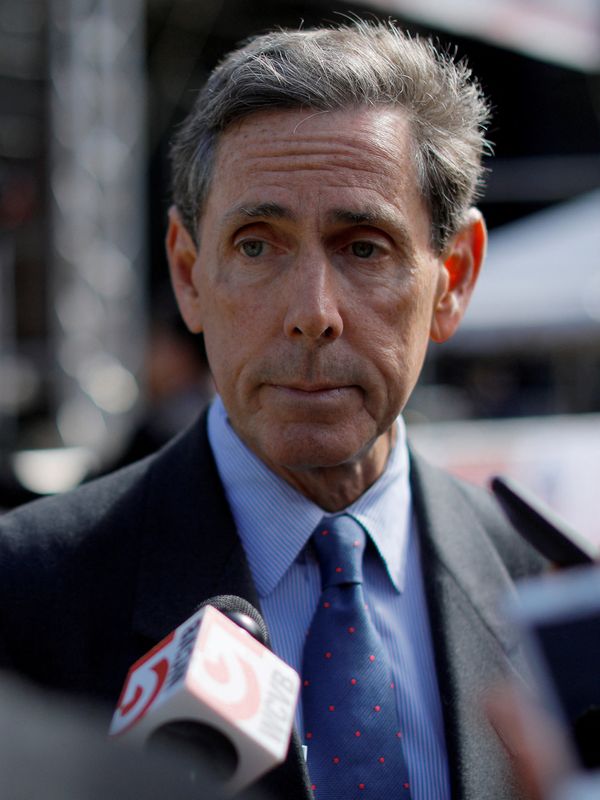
x=274 y=520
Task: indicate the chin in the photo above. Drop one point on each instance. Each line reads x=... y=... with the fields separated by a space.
x=316 y=449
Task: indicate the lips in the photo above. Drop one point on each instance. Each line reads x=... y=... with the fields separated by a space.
x=313 y=388
x=313 y=397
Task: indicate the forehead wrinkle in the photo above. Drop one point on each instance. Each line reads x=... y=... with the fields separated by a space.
x=278 y=154
x=266 y=210
x=298 y=162
x=376 y=142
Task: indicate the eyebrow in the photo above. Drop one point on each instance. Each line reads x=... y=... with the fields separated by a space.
x=366 y=217
x=377 y=216
x=275 y=211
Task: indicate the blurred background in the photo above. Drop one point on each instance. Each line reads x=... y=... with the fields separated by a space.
x=95 y=368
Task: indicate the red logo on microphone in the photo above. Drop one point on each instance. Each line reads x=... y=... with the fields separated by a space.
x=225 y=667
x=144 y=682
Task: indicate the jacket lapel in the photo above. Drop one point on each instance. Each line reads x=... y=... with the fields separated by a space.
x=190 y=548
x=190 y=552
x=475 y=649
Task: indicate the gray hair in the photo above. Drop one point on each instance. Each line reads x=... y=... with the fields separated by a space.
x=345 y=67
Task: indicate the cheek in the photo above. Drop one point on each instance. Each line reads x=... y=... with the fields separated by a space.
x=234 y=336
x=399 y=339
x=239 y=306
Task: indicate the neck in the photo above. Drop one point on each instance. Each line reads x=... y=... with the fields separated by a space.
x=335 y=488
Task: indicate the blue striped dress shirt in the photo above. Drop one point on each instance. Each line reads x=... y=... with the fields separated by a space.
x=275 y=521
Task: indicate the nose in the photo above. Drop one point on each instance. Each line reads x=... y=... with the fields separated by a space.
x=313 y=302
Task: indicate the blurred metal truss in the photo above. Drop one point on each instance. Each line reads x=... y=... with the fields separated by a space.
x=97 y=183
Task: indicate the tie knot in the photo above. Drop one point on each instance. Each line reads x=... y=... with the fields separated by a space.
x=340 y=543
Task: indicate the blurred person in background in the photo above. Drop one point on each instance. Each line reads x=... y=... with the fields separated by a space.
x=322 y=233
x=178 y=383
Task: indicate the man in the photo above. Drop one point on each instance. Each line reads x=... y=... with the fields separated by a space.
x=322 y=232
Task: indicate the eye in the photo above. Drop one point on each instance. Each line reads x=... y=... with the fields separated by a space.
x=252 y=248
x=362 y=249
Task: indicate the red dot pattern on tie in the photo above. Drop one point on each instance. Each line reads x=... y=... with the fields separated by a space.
x=374 y=766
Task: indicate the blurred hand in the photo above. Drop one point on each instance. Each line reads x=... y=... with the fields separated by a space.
x=537 y=747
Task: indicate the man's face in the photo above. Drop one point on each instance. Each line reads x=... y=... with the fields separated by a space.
x=314 y=282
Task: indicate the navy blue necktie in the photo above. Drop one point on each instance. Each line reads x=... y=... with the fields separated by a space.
x=353 y=739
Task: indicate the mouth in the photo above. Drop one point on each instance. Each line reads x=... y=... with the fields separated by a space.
x=313 y=395
x=312 y=388
x=313 y=403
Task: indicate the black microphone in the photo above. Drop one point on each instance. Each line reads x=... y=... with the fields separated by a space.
x=214 y=692
x=241 y=612
x=198 y=742
x=55 y=747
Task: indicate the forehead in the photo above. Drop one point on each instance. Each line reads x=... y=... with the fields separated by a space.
x=305 y=156
x=385 y=128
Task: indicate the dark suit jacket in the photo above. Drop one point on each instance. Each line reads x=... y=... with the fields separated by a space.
x=89 y=581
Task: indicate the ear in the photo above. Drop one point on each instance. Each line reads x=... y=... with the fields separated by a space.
x=182 y=256
x=460 y=265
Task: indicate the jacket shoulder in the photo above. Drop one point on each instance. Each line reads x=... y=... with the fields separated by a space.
x=61 y=522
x=103 y=507
x=476 y=504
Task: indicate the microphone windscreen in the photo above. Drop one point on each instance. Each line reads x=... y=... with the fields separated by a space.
x=236 y=608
